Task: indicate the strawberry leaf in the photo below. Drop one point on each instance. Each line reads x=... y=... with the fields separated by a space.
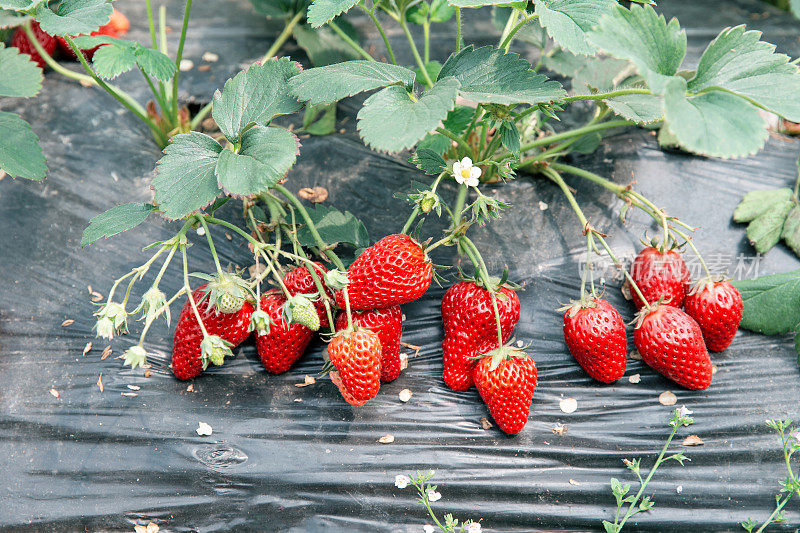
x=116 y=220
x=392 y=121
x=12 y=19
x=265 y=156
x=772 y=215
x=428 y=161
x=320 y=119
x=254 y=96
x=323 y=11
x=325 y=85
x=20 y=5
x=185 y=180
x=641 y=35
x=739 y=62
x=715 y=123
x=155 y=63
x=73 y=17
x=111 y=60
x=20 y=153
x=490 y=75
x=334 y=226
x=567 y=21
x=112 y=63
x=771 y=303
x=21 y=76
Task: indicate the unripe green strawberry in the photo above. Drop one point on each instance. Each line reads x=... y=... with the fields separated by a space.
x=213 y=350
x=227 y=292
x=300 y=310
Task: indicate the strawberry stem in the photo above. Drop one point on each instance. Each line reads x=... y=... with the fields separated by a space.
x=475 y=256
x=211 y=245
x=187 y=287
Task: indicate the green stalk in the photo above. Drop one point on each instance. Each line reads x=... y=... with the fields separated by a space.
x=346 y=38
x=415 y=52
x=426 y=30
x=476 y=258
x=458 y=29
x=188 y=288
x=461 y=199
x=603 y=96
x=178 y=58
x=283 y=36
x=377 y=23
x=150 y=23
x=211 y=246
x=510 y=23
x=452 y=136
x=156 y=94
x=577 y=132
x=52 y=62
x=506 y=43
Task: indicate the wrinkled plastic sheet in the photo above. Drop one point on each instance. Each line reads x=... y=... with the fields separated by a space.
x=283 y=458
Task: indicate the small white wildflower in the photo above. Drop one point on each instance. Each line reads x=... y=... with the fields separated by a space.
x=433 y=495
x=111 y=318
x=427 y=528
x=683 y=411
x=474 y=527
x=465 y=173
x=796 y=435
x=201 y=231
x=401 y=481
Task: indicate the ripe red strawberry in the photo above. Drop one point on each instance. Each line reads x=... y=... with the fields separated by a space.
x=716 y=306
x=393 y=271
x=20 y=41
x=299 y=281
x=671 y=342
x=388 y=324
x=470 y=328
x=356 y=354
x=119 y=22
x=282 y=346
x=107 y=30
x=231 y=327
x=659 y=275
x=595 y=336
x=506 y=380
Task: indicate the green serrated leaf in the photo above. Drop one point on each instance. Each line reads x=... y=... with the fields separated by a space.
x=21 y=76
x=791 y=230
x=715 y=123
x=325 y=85
x=567 y=21
x=436 y=142
x=20 y=153
x=757 y=203
x=255 y=96
x=766 y=212
x=771 y=303
x=323 y=11
x=433 y=68
x=391 y=121
x=116 y=220
x=11 y=19
x=185 y=180
x=739 y=62
x=640 y=108
x=490 y=75
x=74 y=17
x=440 y=11
x=641 y=35
x=334 y=226
x=459 y=119
x=323 y=46
x=418 y=13
x=509 y=137
x=265 y=156
x=155 y=63
x=587 y=143
x=428 y=161
x=320 y=119
x=111 y=60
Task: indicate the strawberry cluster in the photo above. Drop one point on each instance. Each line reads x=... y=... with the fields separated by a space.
x=117 y=26
x=472 y=352
x=673 y=341
x=365 y=349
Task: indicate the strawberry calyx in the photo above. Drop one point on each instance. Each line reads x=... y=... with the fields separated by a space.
x=226 y=291
x=135 y=356
x=707 y=282
x=503 y=353
x=647 y=310
x=260 y=322
x=214 y=349
x=574 y=306
x=336 y=279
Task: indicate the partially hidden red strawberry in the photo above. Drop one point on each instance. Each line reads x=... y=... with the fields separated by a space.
x=671 y=343
x=282 y=345
x=231 y=327
x=660 y=275
x=595 y=335
x=119 y=22
x=356 y=354
x=506 y=380
x=393 y=271
x=107 y=30
x=300 y=281
x=20 y=41
x=388 y=324
x=470 y=328
x=716 y=306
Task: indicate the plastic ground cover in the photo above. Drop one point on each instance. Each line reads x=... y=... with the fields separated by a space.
x=284 y=458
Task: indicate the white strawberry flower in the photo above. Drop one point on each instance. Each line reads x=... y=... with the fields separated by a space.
x=427 y=528
x=111 y=318
x=474 y=527
x=683 y=411
x=465 y=173
x=401 y=481
x=433 y=495
x=796 y=435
